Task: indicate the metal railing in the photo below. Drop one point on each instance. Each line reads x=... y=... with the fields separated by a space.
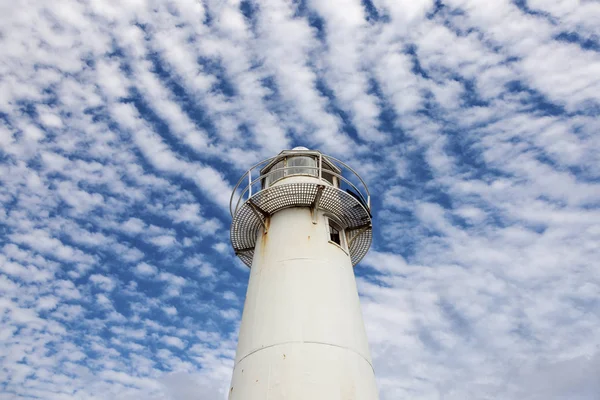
x=247 y=192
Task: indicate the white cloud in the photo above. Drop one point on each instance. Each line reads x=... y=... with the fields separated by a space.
x=231 y=313
x=191 y=214
x=103 y=301
x=133 y=225
x=221 y=247
x=145 y=269
x=173 y=341
x=66 y=289
x=170 y=311
x=103 y=282
x=51 y=120
x=41 y=241
x=163 y=241
x=229 y=295
x=47 y=303
x=172 y=279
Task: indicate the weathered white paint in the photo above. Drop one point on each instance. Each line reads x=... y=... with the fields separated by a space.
x=302 y=335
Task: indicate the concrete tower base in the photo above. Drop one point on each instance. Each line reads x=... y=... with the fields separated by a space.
x=302 y=335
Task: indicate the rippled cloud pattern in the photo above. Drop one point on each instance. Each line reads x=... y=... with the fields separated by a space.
x=125 y=124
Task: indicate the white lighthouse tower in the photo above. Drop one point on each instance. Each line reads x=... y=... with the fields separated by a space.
x=302 y=221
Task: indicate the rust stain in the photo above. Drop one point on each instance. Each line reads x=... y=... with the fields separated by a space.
x=265 y=237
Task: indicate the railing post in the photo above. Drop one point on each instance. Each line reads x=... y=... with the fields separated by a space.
x=320 y=167
x=250 y=183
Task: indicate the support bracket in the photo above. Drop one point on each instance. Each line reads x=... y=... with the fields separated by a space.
x=361 y=227
x=316 y=202
x=258 y=212
x=243 y=250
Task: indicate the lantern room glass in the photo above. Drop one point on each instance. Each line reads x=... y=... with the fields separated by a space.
x=302 y=165
x=275 y=175
x=291 y=165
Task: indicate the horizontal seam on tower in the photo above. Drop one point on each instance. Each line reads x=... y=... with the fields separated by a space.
x=304 y=342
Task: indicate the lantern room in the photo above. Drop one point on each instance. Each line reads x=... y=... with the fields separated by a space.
x=306 y=179
x=299 y=162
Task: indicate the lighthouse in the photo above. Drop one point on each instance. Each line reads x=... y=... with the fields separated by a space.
x=302 y=222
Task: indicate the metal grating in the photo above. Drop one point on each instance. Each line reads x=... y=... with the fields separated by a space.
x=246 y=224
x=360 y=245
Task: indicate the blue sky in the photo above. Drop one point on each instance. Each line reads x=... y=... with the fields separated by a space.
x=125 y=124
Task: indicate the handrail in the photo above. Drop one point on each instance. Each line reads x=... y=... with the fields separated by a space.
x=355 y=173
x=243 y=177
x=248 y=188
x=319 y=173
